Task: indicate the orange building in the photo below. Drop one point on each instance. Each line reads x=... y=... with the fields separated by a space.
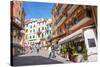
x=17 y=26
x=66 y=19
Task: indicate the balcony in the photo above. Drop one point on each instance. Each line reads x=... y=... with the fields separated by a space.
x=58 y=36
x=60 y=21
x=17 y=22
x=61 y=34
x=72 y=9
x=80 y=23
x=62 y=8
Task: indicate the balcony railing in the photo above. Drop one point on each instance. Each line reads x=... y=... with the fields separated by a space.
x=17 y=21
x=57 y=21
x=72 y=9
x=80 y=22
x=61 y=33
x=60 y=21
x=62 y=8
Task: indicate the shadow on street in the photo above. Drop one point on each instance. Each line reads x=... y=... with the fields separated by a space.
x=33 y=60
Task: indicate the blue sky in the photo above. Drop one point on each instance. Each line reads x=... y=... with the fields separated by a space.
x=37 y=9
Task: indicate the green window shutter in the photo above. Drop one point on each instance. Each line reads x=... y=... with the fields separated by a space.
x=42 y=35
x=30 y=37
x=42 y=28
x=33 y=36
x=33 y=30
x=39 y=29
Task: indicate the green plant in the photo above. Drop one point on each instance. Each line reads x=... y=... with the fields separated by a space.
x=74 y=50
x=64 y=50
x=84 y=52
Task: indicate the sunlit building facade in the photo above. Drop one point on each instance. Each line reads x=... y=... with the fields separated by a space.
x=38 y=30
x=66 y=19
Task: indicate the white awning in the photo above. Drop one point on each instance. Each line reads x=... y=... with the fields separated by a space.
x=70 y=37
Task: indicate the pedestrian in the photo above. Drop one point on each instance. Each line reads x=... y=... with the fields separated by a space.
x=37 y=46
x=56 y=48
x=69 y=53
x=50 y=52
x=53 y=51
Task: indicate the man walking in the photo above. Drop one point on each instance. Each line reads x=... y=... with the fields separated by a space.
x=50 y=52
x=53 y=51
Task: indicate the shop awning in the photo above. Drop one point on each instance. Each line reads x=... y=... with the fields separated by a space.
x=71 y=37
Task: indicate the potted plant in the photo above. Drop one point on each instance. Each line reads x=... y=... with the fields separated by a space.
x=84 y=53
x=64 y=51
x=74 y=54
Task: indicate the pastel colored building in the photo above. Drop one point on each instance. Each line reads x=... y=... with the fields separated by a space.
x=37 y=31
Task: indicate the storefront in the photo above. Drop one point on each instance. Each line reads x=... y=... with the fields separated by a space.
x=77 y=43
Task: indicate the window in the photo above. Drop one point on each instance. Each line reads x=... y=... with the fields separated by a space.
x=26 y=30
x=39 y=35
x=33 y=30
x=26 y=25
x=65 y=25
x=30 y=37
x=50 y=32
x=47 y=31
x=34 y=26
x=30 y=26
x=60 y=30
x=75 y=20
x=19 y=13
x=45 y=28
x=48 y=27
x=39 y=23
x=39 y=29
x=91 y=43
x=33 y=36
x=42 y=35
x=89 y=12
x=42 y=28
x=30 y=31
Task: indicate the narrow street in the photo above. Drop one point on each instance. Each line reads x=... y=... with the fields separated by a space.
x=63 y=29
x=35 y=58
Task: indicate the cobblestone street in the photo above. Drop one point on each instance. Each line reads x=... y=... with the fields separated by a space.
x=37 y=59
